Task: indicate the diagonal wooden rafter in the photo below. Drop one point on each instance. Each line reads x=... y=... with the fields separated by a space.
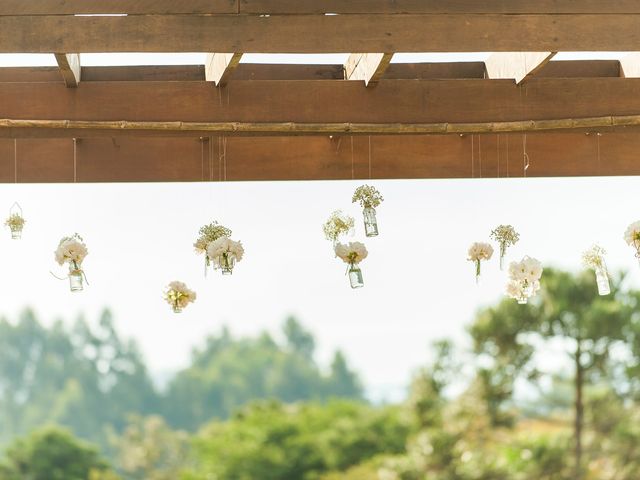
x=519 y=66
x=630 y=65
x=69 y=65
x=367 y=67
x=220 y=66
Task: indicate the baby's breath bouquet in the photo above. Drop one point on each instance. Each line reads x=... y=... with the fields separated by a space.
x=369 y=198
x=479 y=252
x=15 y=222
x=594 y=258
x=178 y=295
x=72 y=251
x=206 y=236
x=337 y=225
x=506 y=236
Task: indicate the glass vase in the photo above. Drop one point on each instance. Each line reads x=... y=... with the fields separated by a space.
x=602 y=279
x=227 y=262
x=176 y=307
x=16 y=232
x=355 y=276
x=503 y=255
x=523 y=300
x=477 y=263
x=370 y=222
x=76 y=279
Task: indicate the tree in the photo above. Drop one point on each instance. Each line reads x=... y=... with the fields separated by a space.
x=569 y=312
x=52 y=454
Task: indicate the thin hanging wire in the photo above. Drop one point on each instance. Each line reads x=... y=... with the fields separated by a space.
x=480 y=154
x=498 y=141
x=473 y=175
x=15 y=160
x=369 y=157
x=598 y=135
x=352 y=161
x=202 y=158
x=508 y=156
x=525 y=156
x=75 y=160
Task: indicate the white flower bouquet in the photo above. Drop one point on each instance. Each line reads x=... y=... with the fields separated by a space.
x=632 y=237
x=352 y=254
x=207 y=235
x=178 y=295
x=369 y=199
x=477 y=253
x=524 y=279
x=506 y=236
x=72 y=251
x=338 y=225
x=224 y=253
x=594 y=258
x=15 y=222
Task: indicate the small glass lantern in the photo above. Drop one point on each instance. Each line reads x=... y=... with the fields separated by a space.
x=355 y=276
x=602 y=279
x=16 y=221
x=76 y=279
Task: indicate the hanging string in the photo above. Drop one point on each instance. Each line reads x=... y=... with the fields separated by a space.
x=473 y=175
x=598 y=135
x=369 y=157
x=75 y=160
x=352 y=161
x=15 y=160
x=525 y=157
x=508 y=173
x=480 y=154
x=498 y=141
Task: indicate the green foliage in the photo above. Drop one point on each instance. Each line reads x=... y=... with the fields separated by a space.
x=271 y=441
x=53 y=454
x=229 y=373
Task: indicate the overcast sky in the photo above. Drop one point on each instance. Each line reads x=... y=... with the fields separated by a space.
x=419 y=286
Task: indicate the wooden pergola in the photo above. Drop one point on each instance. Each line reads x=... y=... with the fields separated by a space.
x=369 y=118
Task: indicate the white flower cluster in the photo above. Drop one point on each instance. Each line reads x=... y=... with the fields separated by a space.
x=524 y=278
x=632 y=235
x=351 y=253
x=71 y=250
x=177 y=294
x=480 y=251
x=222 y=247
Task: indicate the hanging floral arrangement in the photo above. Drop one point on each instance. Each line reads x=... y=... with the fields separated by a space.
x=15 y=222
x=524 y=279
x=352 y=254
x=337 y=226
x=594 y=258
x=178 y=295
x=369 y=199
x=479 y=252
x=506 y=236
x=224 y=253
x=632 y=237
x=206 y=236
x=73 y=251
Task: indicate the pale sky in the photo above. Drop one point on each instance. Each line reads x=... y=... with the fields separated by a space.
x=419 y=286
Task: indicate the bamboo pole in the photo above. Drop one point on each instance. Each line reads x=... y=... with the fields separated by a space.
x=293 y=129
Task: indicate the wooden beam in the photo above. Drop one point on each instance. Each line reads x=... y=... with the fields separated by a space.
x=367 y=67
x=69 y=65
x=630 y=65
x=274 y=7
x=325 y=102
x=317 y=158
x=320 y=33
x=220 y=66
x=516 y=65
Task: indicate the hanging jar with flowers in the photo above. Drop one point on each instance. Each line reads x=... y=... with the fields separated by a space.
x=369 y=199
x=352 y=254
x=479 y=252
x=206 y=236
x=16 y=221
x=524 y=279
x=338 y=225
x=506 y=236
x=72 y=251
x=632 y=237
x=224 y=253
x=178 y=295
x=594 y=258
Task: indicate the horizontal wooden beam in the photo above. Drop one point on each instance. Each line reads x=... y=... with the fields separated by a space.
x=408 y=102
x=162 y=7
x=320 y=33
x=317 y=158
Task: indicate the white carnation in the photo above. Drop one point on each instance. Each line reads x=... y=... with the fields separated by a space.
x=353 y=252
x=71 y=250
x=178 y=294
x=217 y=248
x=632 y=235
x=480 y=251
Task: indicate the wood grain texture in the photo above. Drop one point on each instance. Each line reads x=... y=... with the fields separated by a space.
x=219 y=67
x=70 y=69
x=367 y=67
x=131 y=7
x=319 y=158
x=320 y=33
x=516 y=65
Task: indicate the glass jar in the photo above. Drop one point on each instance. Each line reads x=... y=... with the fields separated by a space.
x=355 y=276
x=503 y=255
x=176 y=307
x=227 y=262
x=75 y=277
x=602 y=279
x=370 y=222
x=16 y=232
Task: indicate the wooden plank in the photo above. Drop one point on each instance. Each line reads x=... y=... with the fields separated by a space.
x=516 y=65
x=580 y=69
x=220 y=66
x=573 y=7
x=69 y=65
x=131 y=7
x=308 y=101
x=318 y=158
x=367 y=67
x=630 y=65
x=319 y=33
